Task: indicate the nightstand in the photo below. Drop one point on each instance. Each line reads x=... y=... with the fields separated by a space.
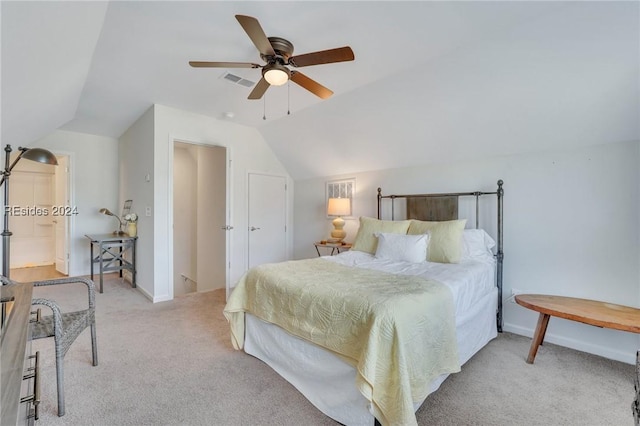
x=335 y=247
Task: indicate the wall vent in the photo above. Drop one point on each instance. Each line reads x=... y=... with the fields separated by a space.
x=238 y=80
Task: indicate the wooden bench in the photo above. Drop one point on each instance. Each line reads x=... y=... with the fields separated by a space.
x=592 y=312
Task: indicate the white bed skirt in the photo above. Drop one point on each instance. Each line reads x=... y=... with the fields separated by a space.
x=328 y=381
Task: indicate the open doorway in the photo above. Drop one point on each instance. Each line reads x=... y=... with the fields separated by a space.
x=40 y=219
x=199 y=218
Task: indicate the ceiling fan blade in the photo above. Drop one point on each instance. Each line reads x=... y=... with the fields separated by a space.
x=201 y=64
x=340 y=54
x=259 y=90
x=253 y=29
x=311 y=85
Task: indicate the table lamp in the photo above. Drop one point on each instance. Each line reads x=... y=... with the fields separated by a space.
x=108 y=212
x=338 y=207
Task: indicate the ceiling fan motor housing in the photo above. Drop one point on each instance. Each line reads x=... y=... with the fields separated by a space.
x=283 y=49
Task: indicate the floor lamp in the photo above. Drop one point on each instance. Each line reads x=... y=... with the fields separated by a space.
x=34 y=154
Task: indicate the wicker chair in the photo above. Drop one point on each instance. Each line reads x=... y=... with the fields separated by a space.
x=65 y=327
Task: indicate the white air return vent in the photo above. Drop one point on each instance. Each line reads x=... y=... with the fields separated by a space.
x=238 y=80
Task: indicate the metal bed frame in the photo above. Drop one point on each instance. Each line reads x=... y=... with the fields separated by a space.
x=439 y=200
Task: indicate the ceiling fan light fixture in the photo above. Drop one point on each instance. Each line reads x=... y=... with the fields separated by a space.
x=276 y=74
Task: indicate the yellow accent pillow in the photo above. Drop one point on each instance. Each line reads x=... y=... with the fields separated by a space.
x=445 y=239
x=366 y=240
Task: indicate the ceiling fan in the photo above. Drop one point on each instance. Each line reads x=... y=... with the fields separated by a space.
x=276 y=52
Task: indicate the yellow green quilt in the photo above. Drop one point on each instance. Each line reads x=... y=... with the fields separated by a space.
x=398 y=331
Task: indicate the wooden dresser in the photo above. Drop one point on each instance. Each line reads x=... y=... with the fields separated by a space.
x=19 y=387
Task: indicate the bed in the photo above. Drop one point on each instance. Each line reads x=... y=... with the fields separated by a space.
x=365 y=336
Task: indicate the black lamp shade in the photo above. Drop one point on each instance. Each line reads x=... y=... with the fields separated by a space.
x=41 y=156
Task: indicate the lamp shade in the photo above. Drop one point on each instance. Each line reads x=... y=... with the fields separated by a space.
x=41 y=156
x=339 y=207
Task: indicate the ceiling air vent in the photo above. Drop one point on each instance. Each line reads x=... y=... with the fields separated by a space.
x=238 y=80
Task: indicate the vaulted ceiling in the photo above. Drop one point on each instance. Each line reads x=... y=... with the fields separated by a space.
x=431 y=81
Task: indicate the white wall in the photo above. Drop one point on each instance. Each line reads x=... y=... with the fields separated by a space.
x=571 y=227
x=136 y=162
x=147 y=147
x=94 y=177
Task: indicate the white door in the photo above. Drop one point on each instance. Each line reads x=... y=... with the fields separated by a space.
x=61 y=221
x=30 y=221
x=211 y=218
x=267 y=219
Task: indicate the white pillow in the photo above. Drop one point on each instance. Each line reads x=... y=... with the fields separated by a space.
x=476 y=243
x=407 y=248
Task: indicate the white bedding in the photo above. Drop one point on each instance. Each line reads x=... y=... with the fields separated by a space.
x=468 y=281
x=329 y=382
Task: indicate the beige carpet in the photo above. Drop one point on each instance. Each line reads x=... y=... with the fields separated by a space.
x=172 y=363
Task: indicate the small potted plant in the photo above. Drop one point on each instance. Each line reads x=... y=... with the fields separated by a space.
x=132 y=224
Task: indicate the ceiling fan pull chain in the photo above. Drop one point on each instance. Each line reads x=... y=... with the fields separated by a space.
x=289 y=97
x=264 y=107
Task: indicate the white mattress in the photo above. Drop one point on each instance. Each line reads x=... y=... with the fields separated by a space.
x=328 y=382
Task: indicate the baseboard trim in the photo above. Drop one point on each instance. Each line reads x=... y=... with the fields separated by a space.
x=144 y=292
x=578 y=345
x=164 y=298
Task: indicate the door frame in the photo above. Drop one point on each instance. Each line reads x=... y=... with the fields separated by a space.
x=71 y=188
x=69 y=219
x=286 y=211
x=228 y=206
x=71 y=192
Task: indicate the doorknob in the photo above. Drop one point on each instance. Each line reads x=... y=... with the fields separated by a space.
x=253 y=228
x=227 y=228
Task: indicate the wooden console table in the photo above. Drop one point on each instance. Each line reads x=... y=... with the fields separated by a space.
x=592 y=312
x=111 y=254
x=19 y=379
